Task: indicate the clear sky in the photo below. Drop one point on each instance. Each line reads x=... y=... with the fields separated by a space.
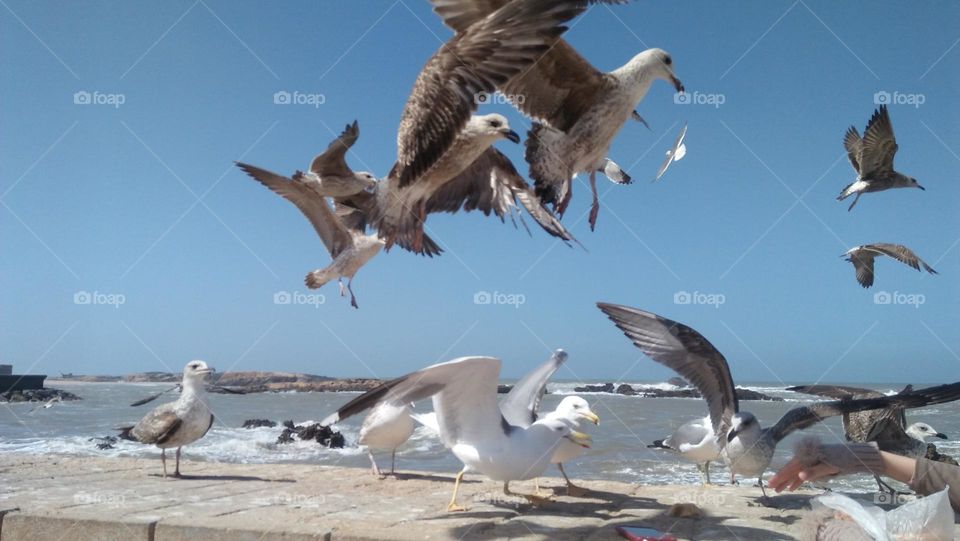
x=130 y=243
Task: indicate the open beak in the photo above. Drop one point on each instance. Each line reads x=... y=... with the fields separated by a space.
x=591 y=416
x=676 y=83
x=921 y=187
x=942 y=436
x=581 y=439
x=511 y=135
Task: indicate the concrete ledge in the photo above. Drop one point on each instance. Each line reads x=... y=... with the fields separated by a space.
x=75 y=497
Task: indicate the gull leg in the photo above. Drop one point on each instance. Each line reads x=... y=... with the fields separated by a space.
x=855 y=199
x=572 y=489
x=343 y=291
x=531 y=498
x=421 y=216
x=373 y=462
x=393 y=462
x=353 y=298
x=163 y=460
x=561 y=207
x=595 y=208
x=733 y=479
x=706 y=471
x=452 y=506
x=176 y=471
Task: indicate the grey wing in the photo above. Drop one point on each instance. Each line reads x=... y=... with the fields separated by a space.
x=901 y=253
x=835 y=391
x=853 y=144
x=491 y=184
x=333 y=160
x=484 y=56
x=333 y=234
x=863 y=266
x=689 y=433
x=522 y=404
x=354 y=211
x=806 y=416
x=686 y=352
x=158 y=425
x=878 y=144
x=464 y=393
x=209 y=426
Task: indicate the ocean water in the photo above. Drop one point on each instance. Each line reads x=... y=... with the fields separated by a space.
x=619 y=449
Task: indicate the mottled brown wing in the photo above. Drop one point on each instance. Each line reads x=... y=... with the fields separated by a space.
x=157 y=426
x=851 y=142
x=901 y=253
x=333 y=160
x=878 y=145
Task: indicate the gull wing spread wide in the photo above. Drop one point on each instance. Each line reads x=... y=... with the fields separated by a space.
x=522 y=403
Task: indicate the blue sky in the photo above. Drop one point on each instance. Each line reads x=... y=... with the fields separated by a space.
x=138 y=201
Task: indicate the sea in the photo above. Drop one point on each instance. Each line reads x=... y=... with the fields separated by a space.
x=619 y=452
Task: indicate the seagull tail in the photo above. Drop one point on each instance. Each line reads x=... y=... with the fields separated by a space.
x=316 y=279
x=658 y=444
x=551 y=174
x=126 y=433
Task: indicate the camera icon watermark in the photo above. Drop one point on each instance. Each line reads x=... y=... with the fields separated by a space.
x=310 y=501
x=898 y=298
x=299 y=298
x=96 y=298
x=83 y=97
x=699 y=98
x=884 y=97
x=697 y=297
x=109 y=499
x=283 y=97
x=700 y=498
x=483 y=98
x=498 y=298
x=886 y=498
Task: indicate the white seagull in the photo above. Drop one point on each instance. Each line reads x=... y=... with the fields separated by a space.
x=464 y=394
x=862 y=258
x=579 y=109
x=693 y=441
x=872 y=159
x=745 y=446
x=350 y=249
x=388 y=426
x=178 y=423
x=329 y=173
x=675 y=154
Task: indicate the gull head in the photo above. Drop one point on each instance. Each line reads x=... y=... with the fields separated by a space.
x=196 y=371
x=576 y=409
x=493 y=126
x=742 y=422
x=922 y=431
x=660 y=66
x=558 y=429
x=915 y=184
x=366 y=179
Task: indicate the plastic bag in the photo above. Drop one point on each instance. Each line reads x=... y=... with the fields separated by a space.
x=924 y=519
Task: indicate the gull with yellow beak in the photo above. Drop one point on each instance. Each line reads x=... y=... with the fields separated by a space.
x=470 y=422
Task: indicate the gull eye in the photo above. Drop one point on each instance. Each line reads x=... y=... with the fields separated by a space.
x=667 y=60
x=495 y=123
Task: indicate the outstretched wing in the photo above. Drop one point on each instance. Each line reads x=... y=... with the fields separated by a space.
x=878 y=145
x=852 y=142
x=901 y=253
x=687 y=353
x=522 y=403
x=333 y=160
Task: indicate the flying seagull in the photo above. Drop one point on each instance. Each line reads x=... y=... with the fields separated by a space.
x=438 y=139
x=578 y=108
x=329 y=173
x=471 y=425
x=862 y=258
x=388 y=426
x=872 y=159
x=675 y=154
x=178 y=423
x=350 y=249
x=48 y=404
x=746 y=447
x=693 y=441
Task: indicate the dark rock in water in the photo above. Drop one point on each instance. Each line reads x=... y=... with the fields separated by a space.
x=605 y=388
x=504 y=389
x=105 y=442
x=324 y=435
x=934 y=454
x=257 y=423
x=742 y=394
x=626 y=390
x=677 y=381
x=37 y=395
